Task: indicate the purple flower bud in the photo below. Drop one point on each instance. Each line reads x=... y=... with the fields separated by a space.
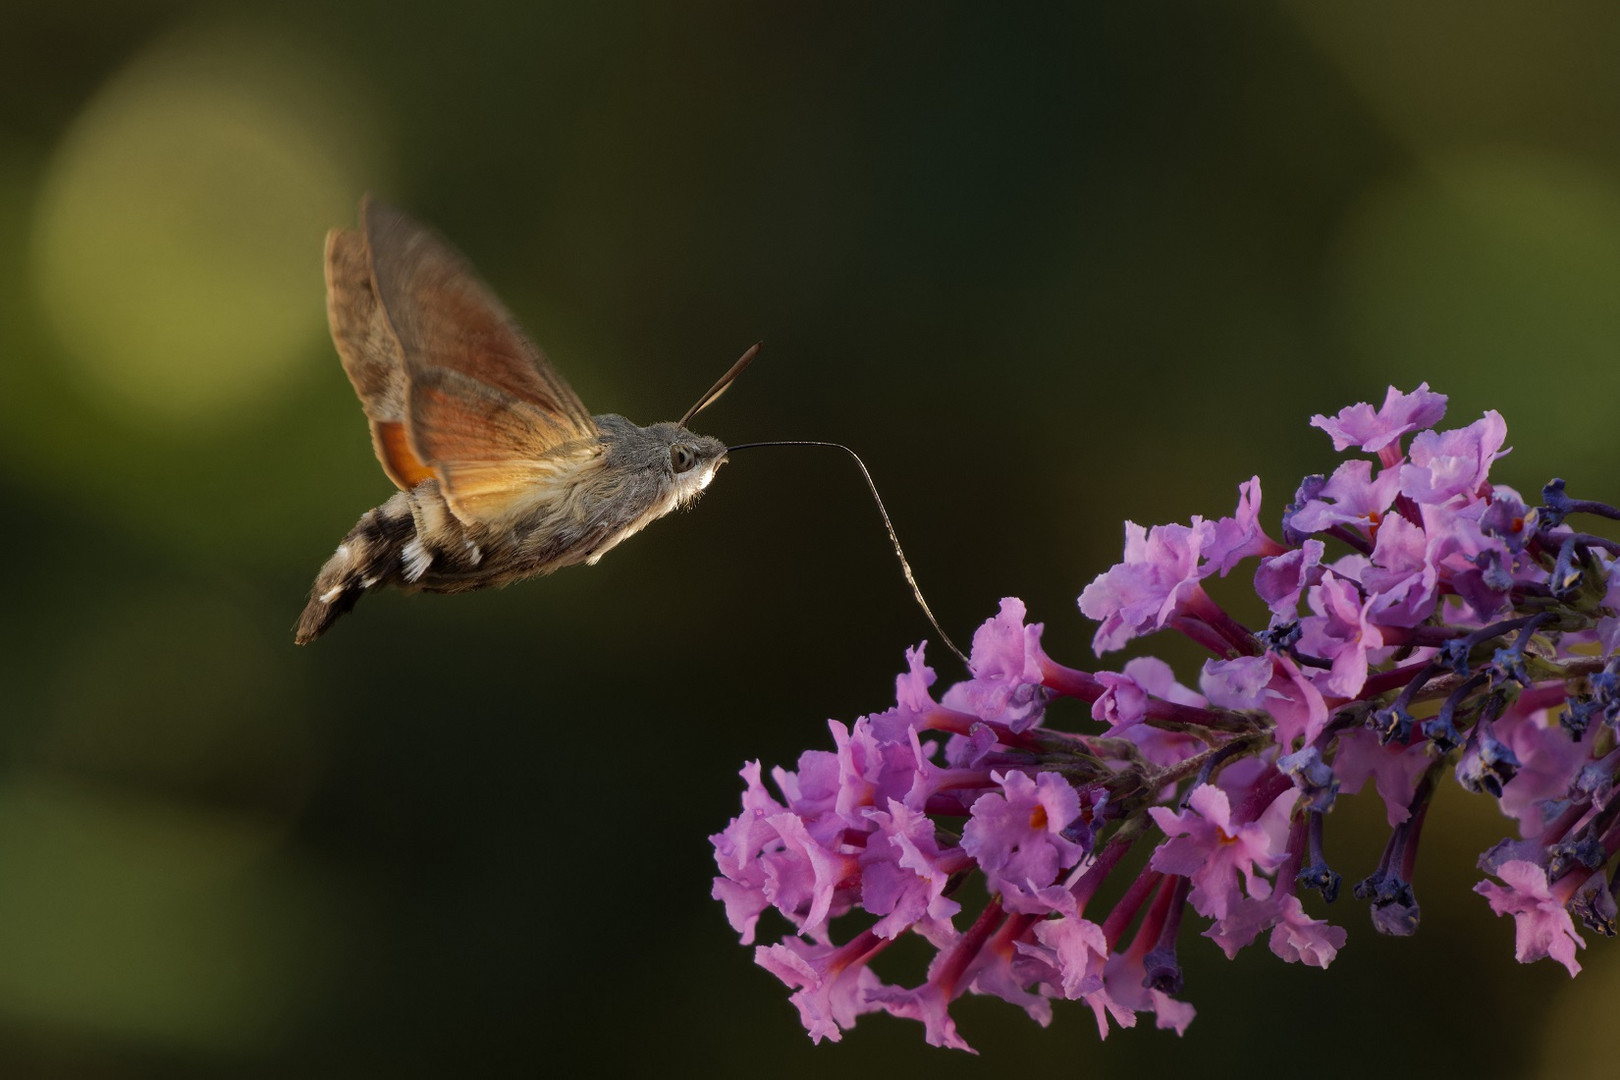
x=1454 y=654
x=1583 y=851
x=1312 y=776
x=1556 y=505
x=1578 y=714
x=1559 y=506
x=1394 y=907
x=1606 y=690
x=1567 y=573
x=1507 y=665
x=1161 y=972
x=1495 y=573
x=1280 y=638
x=1595 y=783
x=1391 y=725
x=1504 y=851
x=1321 y=877
x=1487 y=765
x=1594 y=905
x=1441 y=730
x=1508 y=519
x=1309 y=489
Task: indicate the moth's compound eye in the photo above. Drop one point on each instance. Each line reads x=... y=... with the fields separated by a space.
x=681 y=458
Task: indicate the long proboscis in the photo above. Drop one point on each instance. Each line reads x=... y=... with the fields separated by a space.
x=871 y=486
x=714 y=392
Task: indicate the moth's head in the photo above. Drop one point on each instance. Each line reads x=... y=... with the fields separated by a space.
x=682 y=461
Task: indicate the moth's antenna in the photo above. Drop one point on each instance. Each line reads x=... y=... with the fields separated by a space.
x=887 y=524
x=723 y=385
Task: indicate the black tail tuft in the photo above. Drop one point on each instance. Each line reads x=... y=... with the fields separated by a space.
x=319 y=615
x=368 y=557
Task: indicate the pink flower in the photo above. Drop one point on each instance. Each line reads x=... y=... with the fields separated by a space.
x=1159 y=574
x=1075 y=950
x=1207 y=847
x=1448 y=465
x=737 y=852
x=1123 y=703
x=1280 y=579
x=1240 y=536
x=1300 y=939
x=1341 y=632
x=904 y=872
x=1242 y=682
x=1480 y=568
x=1402 y=584
x=834 y=983
x=1295 y=705
x=1394 y=769
x=914 y=702
x=1006 y=663
x=1372 y=430
x=1017 y=838
x=1124 y=975
x=1351 y=496
x=1548 y=761
x=871 y=772
x=1004 y=970
x=929 y=1003
x=805 y=879
x=1541 y=919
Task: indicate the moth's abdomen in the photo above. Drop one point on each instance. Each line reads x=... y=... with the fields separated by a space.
x=410 y=542
x=574 y=510
x=372 y=554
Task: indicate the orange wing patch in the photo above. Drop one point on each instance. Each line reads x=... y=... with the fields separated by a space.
x=494 y=455
x=496 y=493
x=399 y=461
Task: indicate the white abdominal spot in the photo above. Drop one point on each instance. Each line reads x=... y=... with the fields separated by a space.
x=417 y=560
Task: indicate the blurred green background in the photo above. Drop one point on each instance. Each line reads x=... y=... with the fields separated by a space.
x=1047 y=270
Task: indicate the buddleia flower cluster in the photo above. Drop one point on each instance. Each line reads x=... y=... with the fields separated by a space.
x=1423 y=623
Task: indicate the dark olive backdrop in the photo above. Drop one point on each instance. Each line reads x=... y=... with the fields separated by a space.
x=1047 y=271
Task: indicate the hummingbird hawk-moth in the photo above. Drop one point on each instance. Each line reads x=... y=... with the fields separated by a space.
x=502 y=472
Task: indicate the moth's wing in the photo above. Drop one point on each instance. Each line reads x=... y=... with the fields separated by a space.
x=495 y=456
x=445 y=317
x=483 y=407
x=370 y=353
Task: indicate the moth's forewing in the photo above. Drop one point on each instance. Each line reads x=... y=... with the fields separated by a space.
x=445 y=317
x=480 y=398
x=370 y=353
